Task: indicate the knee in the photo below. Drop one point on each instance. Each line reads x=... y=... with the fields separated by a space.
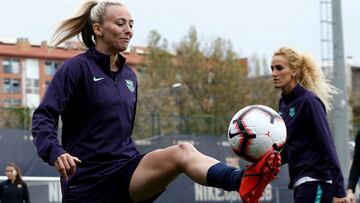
x=186 y=147
x=184 y=151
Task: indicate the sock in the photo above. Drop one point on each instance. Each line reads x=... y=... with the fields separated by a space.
x=222 y=176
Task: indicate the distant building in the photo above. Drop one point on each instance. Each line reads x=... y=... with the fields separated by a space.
x=355 y=79
x=355 y=96
x=26 y=68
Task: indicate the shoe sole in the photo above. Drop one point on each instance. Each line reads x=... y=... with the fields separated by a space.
x=267 y=174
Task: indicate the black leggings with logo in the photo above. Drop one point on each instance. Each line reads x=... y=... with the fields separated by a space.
x=316 y=191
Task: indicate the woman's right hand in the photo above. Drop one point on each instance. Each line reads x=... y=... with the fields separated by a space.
x=66 y=165
x=350 y=196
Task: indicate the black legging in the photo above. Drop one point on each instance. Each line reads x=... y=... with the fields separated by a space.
x=314 y=192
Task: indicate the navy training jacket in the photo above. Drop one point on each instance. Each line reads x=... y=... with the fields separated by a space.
x=97 y=111
x=309 y=149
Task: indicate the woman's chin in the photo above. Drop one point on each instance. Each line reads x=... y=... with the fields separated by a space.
x=277 y=86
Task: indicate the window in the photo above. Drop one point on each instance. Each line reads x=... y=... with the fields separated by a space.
x=11 y=102
x=11 y=85
x=47 y=83
x=11 y=65
x=50 y=67
x=32 y=86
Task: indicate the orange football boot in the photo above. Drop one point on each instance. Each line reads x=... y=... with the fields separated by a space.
x=257 y=176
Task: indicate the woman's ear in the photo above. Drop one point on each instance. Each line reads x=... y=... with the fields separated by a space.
x=97 y=29
x=295 y=72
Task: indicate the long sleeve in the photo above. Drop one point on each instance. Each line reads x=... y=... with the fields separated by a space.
x=46 y=116
x=284 y=155
x=26 y=196
x=355 y=166
x=284 y=152
x=321 y=129
x=1 y=191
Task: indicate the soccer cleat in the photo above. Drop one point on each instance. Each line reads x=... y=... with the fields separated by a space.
x=257 y=176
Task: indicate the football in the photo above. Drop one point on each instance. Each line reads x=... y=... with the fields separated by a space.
x=254 y=130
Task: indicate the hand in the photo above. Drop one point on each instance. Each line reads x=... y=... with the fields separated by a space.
x=340 y=200
x=66 y=165
x=350 y=196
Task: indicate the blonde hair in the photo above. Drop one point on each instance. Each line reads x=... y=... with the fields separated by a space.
x=90 y=12
x=310 y=74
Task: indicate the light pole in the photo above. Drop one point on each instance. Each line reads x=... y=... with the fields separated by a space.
x=176 y=89
x=339 y=114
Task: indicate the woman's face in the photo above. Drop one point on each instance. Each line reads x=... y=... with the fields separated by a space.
x=10 y=172
x=116 y=30
x=283 y=76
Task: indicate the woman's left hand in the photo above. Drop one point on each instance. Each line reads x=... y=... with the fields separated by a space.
x=340 y=200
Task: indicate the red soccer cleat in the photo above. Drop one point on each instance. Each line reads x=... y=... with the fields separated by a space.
x=258 y=175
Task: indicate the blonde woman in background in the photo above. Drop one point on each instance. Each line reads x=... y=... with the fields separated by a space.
x=310 y=153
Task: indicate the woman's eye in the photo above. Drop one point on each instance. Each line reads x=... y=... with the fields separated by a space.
x=120 y=22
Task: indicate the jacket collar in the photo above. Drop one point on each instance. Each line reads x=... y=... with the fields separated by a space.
x=103 y=60
x=295 y=93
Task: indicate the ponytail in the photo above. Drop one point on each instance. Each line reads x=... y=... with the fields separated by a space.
x=90 y=12
x=313 y=78
x=71 y=27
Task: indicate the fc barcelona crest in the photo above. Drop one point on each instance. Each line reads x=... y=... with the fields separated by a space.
x=292 y=112
x=130 y=85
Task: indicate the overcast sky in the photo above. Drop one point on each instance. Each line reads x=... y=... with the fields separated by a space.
x=253 y=26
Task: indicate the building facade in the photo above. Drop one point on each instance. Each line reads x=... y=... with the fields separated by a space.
x=26 y=68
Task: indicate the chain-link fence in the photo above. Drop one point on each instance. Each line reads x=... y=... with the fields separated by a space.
x=15 y=117
x=148 y=125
